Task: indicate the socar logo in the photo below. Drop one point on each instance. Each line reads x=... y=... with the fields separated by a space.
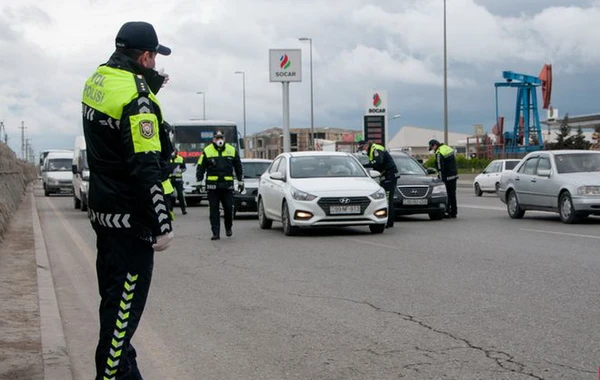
x=284 y=62
x=376 y=100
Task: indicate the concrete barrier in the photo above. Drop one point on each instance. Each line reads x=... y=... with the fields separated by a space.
x=14 y=177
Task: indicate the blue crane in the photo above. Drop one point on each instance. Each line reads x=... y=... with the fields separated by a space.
x=527 y=133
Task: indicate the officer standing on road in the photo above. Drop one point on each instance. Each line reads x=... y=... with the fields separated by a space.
x=382 y=161
x=124 y=133
x=447 y=172
x=219 y=160
x=177 y=169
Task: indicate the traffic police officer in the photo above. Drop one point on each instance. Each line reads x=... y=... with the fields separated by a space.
x=381 y=160
x=124 y=133
x=219 y=160
x=447 y=171
x=177 y=169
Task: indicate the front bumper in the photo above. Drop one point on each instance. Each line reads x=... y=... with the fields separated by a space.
x=321 y=212
x=66 y=188
x=418 y=199
x=589 y=204
x=245 y=202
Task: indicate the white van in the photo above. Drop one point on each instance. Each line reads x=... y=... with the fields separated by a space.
x=81 y=175
x=57 y=176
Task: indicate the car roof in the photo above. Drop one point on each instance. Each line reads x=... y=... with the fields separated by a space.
x=264 y=160
x=316 y=153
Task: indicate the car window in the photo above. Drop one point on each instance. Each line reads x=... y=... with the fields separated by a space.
x=577 y=163
x=254 y=169
x=275 y=165
x=283 y=167
x=543 y=164
x=408 y=166
x=496 y=167
x=529 y=166
x=60 y=164
x=325 y=166
x=510 y=165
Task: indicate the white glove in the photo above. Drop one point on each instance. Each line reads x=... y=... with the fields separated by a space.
x=163 y=241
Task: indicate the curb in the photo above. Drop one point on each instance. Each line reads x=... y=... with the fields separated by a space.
x=55 y=355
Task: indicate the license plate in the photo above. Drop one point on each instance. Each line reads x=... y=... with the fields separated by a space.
x=337 y=210
x=414 y=201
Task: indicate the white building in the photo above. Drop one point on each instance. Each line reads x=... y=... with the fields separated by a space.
x=415 y=140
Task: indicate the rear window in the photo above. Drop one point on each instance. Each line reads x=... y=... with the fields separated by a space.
x=510 y=165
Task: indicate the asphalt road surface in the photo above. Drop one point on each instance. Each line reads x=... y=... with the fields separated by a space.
x=479 y=297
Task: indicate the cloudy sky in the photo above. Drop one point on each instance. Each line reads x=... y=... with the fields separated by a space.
x=49 y=47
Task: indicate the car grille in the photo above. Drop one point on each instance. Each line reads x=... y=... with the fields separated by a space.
x=413 y=191
x=325 y=203
x=65 y=182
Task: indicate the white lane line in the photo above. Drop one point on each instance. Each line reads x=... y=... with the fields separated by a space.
x=562 y=233
x=477 y=207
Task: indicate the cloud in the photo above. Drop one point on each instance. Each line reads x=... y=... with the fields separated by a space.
x=49 y=48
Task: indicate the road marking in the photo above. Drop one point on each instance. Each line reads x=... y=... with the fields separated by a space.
x=151 y=343
x=477 y=207
x=562 y=233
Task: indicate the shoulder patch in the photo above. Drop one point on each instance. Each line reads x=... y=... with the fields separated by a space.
x=140 y=83
x=147 y=129
x=376 y=153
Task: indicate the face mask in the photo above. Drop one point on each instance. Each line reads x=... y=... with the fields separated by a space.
x=220 y=143
x=363 y=152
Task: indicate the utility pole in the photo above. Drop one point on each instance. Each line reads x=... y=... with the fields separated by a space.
x=23 y=127
x=2 y=132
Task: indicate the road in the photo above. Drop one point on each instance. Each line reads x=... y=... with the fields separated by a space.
x=478 y=297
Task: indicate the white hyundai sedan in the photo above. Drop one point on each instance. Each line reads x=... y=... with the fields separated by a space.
x=318 y=189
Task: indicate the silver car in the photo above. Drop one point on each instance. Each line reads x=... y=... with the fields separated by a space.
x=563 y=181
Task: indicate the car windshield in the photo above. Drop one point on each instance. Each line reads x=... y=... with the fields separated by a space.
x=255 y=169
x=325 y=166
x=60 y=164
x=510 y=165
x=577 y=163
x=407 y=166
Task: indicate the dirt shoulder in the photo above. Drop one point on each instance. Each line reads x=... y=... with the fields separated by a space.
x=20 y=332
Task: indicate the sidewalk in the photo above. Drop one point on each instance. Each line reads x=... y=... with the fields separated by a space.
x=32 y=342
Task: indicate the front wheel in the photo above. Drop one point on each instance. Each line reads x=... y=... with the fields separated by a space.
x=566 y=209
x=263 y=221
x=376 y=228
x=286 y=220
x=513 y=207
x=477 y=190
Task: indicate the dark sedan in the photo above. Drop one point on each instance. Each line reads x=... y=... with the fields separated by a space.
x=418 y=192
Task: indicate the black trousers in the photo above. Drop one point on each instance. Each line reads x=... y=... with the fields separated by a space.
x=178 y=185
x=389 y=185
x=451 y=190
x=220 y=197
x=124 y=268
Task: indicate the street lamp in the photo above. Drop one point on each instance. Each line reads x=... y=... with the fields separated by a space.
x=397 y=116
x=312 y=117
x=445 y=82
x=243 y=103
x=203 y=104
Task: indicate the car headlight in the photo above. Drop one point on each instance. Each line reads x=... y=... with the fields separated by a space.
x=85 y=175
x=439 y=189
x=52 y=181
x=379 y=194
x=301 y=195
x=588 y=190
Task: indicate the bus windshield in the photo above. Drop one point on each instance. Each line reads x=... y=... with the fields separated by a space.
x=191 y=139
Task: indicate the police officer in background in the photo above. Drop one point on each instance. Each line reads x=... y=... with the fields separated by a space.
x=125 y=135
x=177 y=169
x=447 y=172
x=382 y=161
x=219 y=160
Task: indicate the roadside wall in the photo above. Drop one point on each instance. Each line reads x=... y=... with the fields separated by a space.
x=14 y=177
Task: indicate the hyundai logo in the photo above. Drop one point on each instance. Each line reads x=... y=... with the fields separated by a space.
x=344 y=201
x=414 y=191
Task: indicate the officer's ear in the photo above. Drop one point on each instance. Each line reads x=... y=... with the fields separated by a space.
x=148 y=59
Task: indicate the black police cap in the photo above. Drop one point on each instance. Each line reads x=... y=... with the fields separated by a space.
x=140 y=35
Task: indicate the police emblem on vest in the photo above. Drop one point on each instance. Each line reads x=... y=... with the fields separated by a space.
x=146 y=129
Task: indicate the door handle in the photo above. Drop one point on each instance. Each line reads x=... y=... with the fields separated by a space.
x=517 y=179
x=534 y=180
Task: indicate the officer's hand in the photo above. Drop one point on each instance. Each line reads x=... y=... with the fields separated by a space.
x=164 y=75
x=241 y=186
x=163 y=241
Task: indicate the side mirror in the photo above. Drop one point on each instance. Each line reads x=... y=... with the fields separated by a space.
x=277 y=176
x=374 y=173
x=241 y=144
x=544 y=172
x=74 y=169
x=431 y=171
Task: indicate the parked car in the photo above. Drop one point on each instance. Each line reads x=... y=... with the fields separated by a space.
x=81 y=175
x=489 y=179
x=246 y=200
x=318 y=189
x=57 y=175
x=563 y=181
x=418 y=191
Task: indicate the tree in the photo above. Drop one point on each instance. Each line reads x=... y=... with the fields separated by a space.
x=578 y=141
x=562 y=136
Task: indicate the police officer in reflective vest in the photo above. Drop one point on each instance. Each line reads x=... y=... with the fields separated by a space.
x=124 y=133
x=177 y=169
x=447 y=171
x=381 y=160
x=219 y=160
